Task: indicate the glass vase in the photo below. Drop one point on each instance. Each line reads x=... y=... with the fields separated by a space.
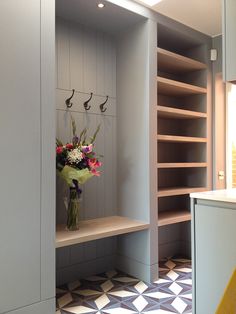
x=73 y=211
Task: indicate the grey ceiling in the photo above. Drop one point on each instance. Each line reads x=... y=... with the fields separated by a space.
x=201 y=15
x=110 y=19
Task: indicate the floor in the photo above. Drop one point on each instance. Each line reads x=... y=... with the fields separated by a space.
x=116 y=293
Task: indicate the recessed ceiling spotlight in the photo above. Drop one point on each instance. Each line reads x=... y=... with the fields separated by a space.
x=150 y=2
x=101 y=5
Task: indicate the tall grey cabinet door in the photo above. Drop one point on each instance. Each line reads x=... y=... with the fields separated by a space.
x=20 y=161
x=215 y=255
x=229 y=40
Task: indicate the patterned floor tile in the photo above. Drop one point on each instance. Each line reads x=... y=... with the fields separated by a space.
x=116 y=293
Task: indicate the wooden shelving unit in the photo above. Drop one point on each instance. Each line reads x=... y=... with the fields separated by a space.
x=168 y=112
x=182 y=139
x=170 y=61
x=165 y=165
x=178 y=124
x=173 y=216
x=176 y=88
x=98 y=228
x=179 y=191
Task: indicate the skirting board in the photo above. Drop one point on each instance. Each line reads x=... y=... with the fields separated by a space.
x=132 y=267
x=45 y=307
x=85 y=269
x=148 y=273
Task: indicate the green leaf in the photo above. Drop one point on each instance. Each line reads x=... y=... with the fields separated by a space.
x=58 y=142
x=93 y=138
x=81 y=136
x=73 y=125
x=85 y=137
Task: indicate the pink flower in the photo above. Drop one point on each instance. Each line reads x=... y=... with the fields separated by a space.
x=95 y=172
x=98 y=163
x=59 y=149
x=91 y=162
x=94 y=163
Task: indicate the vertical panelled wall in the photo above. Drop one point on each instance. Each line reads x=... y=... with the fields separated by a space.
x=86 y=62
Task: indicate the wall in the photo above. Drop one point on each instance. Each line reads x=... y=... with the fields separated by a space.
x=234 y=166
x=231 y=131
x=219 y=117
x=86 y=62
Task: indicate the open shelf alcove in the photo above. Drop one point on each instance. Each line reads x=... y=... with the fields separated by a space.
x=108 y=52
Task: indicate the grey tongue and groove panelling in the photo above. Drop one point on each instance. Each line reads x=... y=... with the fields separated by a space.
x=86 y=62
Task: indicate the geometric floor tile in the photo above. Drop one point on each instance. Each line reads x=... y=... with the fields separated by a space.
x=175 y=288
x=114 y=292
x=64 y=300
x=172 y=275
x=140 y=303
x=141 y=287
x=79 y=310
x=179 y=305
x=170 y=264
x=102 y=301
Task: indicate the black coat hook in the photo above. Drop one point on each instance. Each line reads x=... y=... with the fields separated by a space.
x=67 y=102
x=86 y=106
x=102 y=105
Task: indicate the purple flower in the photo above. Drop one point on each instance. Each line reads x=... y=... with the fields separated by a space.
x=75 y=139
x=87 y=149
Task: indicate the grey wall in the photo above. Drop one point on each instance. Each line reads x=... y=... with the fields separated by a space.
x=217 y=44
x=86 y=62
x=219 y=117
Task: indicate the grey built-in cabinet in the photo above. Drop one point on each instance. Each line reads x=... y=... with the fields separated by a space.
x=213 y=248
x=229 y=40
x=27 y=265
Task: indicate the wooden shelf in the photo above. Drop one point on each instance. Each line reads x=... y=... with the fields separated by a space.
x=173 y=62
x=175 y=88
x=183 y=139
x=173 y=216
x=179 y=191
x=163 y=165
x=168 y=112
x=97 y=229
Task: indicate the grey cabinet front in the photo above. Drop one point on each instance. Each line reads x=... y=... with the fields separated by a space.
x=214 y=255
x=25 y=268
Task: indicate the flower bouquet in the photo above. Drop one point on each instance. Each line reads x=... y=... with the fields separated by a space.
x=76 y=162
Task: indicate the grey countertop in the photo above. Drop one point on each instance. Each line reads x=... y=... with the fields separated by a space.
x=228 y=195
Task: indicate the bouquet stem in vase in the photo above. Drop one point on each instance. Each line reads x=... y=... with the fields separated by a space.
x=73 y=210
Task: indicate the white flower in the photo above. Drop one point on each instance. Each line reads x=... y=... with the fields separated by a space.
x=74 y=156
